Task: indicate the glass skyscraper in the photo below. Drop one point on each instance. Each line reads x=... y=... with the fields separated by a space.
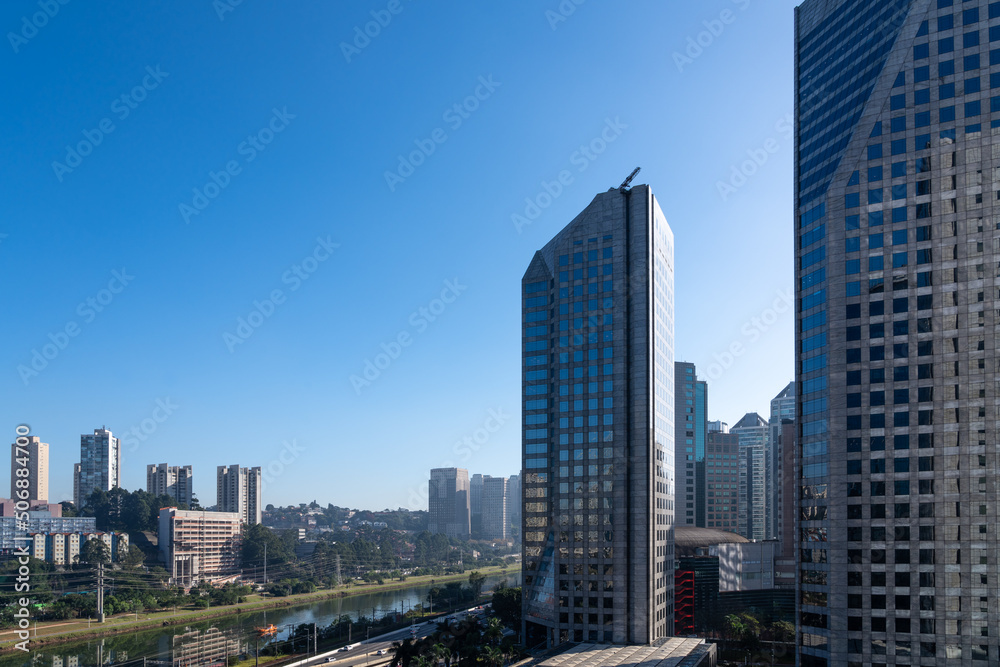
x=691 y=430
x=897 y=238
x=598 y=433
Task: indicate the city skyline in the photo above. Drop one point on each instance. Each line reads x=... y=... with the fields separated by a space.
x=266 y=327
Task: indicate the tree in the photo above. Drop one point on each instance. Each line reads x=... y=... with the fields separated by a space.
x=135 y=557
x=95 y=551
x=507 y=605
x=476 y=581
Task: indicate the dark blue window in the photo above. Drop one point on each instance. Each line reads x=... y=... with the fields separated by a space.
x=947 y=115
x=971 y=62
x=946 y=45
x=875 y=263
x=854 y=179
x=941 y=4
x=899 y=124
x=922 y=96
x=852 y=200
x=877 y=128
x=898 y=147
x=970 y=39
x=875 y=152
x=874 y=173
x=921 y=51
x=922 y=119
x=898 y=169
x=898 y=260
x=995 y=57
x=946 y=67
x=995 y=33
x=900 y=80
x=994 y=10
x=899 y=237
x=874 y=218
x=897 y=102
x=875 y=196
x=973 y=109
x=995 y=80
x=875 y=241
x=852 y=222
x=899 y=214
x=852 y=245
x=946 y=91
x=972 y=85
x=995 y=104
x=923 y=29
x=921 y=73
x=899 y=191
x=970 y=16
x=946 y=22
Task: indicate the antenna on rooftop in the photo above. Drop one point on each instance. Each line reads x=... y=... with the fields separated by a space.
x=624 y=186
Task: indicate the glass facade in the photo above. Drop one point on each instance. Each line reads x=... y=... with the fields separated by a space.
x=897 y=262
x=598 y=426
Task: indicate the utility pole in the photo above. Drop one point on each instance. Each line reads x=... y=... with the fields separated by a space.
x=315 y=641
x=100 y=592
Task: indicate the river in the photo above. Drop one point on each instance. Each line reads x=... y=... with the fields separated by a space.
x=209 y=642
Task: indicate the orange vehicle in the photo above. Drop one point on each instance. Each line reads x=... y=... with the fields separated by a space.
x=269 y=630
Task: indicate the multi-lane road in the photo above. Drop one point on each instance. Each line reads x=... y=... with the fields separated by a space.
x=366 y=652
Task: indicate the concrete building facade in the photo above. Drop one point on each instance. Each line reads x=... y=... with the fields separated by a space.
x=174 y=481
x=691 y=430
x=494 y=508
x=238 y=490
x=753 y=499
x=198 y=546
x=31 y=455
x=722 y=480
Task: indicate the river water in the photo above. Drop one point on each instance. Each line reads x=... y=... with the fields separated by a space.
x=210 y=642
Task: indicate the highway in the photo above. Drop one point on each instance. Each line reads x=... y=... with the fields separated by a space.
x=364 y=652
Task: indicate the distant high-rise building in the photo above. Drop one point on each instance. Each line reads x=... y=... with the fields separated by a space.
x=476 y=504
x=448 y=502
x=896 y=252
x=494 y=505
x=238 y=490
x=753 y=433
x=32 y=456
x=174 y=481
x=514 y=505
x=782 y=409
x=100 y=465
x=722 y=479
x=598 y=438
x=691 y=428
x=785 y=565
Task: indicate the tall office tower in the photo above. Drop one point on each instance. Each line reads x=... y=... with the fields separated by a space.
x=494 y=502
x=476 y=504
x=100 y=465
x=32 y=456
x=174 y=481
x=690 y=428
x=722 y=479
x=448 y=502
x=786 y=562
x=897 y=152
x=782 y=408
x=238 y=490
x=598 y=440
x=514 y=503
x=753 y=432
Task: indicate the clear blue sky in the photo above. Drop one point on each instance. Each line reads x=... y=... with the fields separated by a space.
x=307 y=129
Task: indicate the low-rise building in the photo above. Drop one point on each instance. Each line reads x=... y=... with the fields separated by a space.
x=199 y=545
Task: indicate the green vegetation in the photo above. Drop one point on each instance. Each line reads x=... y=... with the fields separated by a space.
x=455 y=644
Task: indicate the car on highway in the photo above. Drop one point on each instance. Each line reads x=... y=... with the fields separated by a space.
x=331 y=659
x=381 y=651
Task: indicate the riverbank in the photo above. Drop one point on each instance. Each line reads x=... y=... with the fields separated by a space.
x=58 y=632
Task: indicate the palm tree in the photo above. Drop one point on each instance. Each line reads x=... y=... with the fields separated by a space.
x=493 y=656
x=441 y=653
x=494 y=630
x=403 y=653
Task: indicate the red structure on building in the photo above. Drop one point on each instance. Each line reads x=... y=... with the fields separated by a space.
x=683 y=603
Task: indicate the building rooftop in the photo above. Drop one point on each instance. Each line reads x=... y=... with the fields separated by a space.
x=687 y=539
x=674 y=652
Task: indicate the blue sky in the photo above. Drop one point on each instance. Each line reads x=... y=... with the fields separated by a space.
x=174 y=169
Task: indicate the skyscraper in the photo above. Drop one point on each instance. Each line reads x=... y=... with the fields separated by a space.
x=691 y=427
x=896 y=261
x=33 y=457
x=514 y=504
x=238 y=490
x=494 y=508
x=753 y=499
x=598 y=439
x=448 y=502
x=476 y=504
x=100 y=465
x=782 y=409
x=174 y=481
x=722 y=479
